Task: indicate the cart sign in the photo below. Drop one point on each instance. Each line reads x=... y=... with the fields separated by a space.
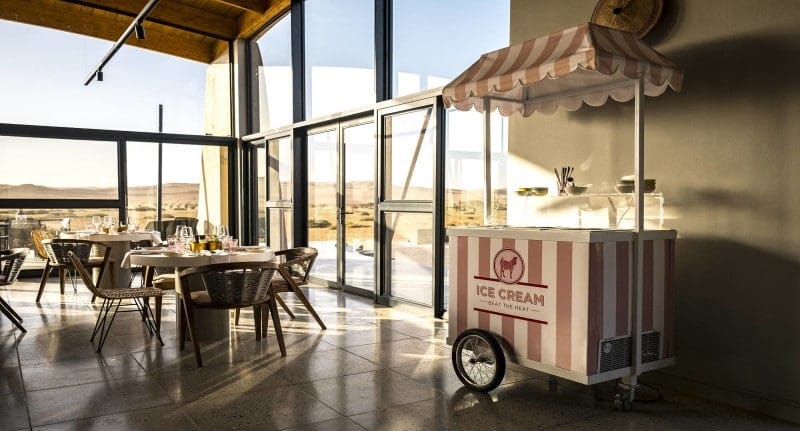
x=506 y=295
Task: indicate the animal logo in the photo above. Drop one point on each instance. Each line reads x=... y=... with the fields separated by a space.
x=508 y=266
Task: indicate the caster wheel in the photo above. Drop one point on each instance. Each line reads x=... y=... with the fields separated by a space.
x=624 y=401
x=478 y=360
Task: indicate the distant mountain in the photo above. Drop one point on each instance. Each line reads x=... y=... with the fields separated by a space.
x=185 y=191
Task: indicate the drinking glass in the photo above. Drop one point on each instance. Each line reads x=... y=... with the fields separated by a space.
x=96 y=220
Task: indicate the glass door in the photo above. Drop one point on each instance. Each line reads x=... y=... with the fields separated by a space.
x=323 y=202
x=341 y=204
x=358 y=211
x=410 y=258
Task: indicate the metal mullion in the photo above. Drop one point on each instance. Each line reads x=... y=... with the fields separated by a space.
x=76 y=133
x=59 y=203
x=438 y=210
x=122 y=181
x=298 y=60
x=383 y=50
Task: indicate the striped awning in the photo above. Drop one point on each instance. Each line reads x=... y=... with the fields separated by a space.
x=583 y=64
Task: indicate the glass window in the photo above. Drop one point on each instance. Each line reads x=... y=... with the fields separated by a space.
x=271 y=63
x=38 y=168
x=279 y=170
x=409 y=249
x=409 y=139
x=261 y=194
x=464 y=180
x=195 y=186
x=340 y=55
x=45 y=86
x=142 y=160
x=434 y=41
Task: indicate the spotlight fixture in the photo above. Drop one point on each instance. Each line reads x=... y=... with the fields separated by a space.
x=139 y=29
x=99 y=75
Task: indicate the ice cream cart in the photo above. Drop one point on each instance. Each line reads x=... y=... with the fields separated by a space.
x=588 y=305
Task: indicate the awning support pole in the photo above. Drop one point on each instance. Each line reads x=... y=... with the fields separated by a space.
x=487 y=163
x=638 y=226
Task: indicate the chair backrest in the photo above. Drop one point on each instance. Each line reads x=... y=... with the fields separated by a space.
x=57 y=249
x=11 y=264
x=39 y=235
x=230 y=284
x=297 y=262
x=85 y=275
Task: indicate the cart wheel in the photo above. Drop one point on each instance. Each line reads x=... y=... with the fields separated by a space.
x=478 y=360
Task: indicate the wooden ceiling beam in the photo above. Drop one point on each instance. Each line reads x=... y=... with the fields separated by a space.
x=65 y=16
x=250 y=22
x=258 y=6
x=171 y=14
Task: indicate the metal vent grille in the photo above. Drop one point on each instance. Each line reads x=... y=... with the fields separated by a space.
x=615 y=354
x=651 y=347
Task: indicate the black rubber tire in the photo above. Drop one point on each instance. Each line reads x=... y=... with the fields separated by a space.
x=491 y=363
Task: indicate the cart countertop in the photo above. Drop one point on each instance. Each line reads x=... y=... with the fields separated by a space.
x=557 y=233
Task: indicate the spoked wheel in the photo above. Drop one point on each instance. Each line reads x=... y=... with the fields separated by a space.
x=478 y=360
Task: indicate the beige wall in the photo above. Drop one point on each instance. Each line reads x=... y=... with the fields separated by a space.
x=725 y=153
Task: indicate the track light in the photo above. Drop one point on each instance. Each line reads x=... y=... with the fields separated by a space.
x=99 y=75
x=139 y=29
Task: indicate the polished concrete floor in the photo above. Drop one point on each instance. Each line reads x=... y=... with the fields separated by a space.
x=374 y=368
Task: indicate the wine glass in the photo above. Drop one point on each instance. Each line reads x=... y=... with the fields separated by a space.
x=107 y=221
x=222 y=232
x=96 y=222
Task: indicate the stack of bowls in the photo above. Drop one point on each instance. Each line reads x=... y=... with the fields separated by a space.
x=625 y=185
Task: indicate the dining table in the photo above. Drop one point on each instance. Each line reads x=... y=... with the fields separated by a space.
x=212 y=324
x=120 y=244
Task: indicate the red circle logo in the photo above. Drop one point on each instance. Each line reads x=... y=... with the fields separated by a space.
x=508 y=266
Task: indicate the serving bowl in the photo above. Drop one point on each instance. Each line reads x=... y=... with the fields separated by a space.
x=576 y=190
x=539 y=191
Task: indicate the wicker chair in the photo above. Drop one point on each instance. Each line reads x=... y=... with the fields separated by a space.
x=10 y=266
x=112 y=298
x=294 y=272
x=228 y=286
x=57 y=251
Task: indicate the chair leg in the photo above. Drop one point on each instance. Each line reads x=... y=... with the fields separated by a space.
x=62 y=277
x=150 y=319
x=236 y=317
x=158 y=313
x=277 y=323
x=105 y=328
x=12 y=315
x=284 y=306
x=304 y=300
x=187 y=308
x=45 y=274
x=257 y=320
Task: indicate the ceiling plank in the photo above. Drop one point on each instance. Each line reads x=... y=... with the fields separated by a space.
x=171 y=14
x=250 y=23
x=259 y=6
x=65 y=16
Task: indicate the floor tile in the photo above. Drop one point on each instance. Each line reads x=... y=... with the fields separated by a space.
x=192 y=383
x=279 y=408
x=395 y=353
x=338 y=424
x=166 y=418
x=359 y=393
x=324 y=364
x=13 y=413
x=94 y=399
x=100 y=368
x=10 y=380
x=8 y=352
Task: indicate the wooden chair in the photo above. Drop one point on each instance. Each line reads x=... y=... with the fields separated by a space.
x=10 y=266
x=57 y=251
x=228 y=286
x=112 y=298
